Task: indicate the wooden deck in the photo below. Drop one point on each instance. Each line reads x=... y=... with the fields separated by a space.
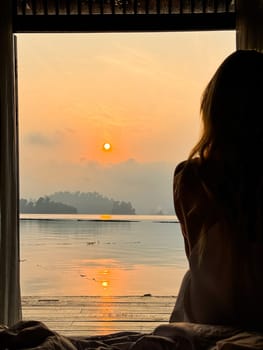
x=89 y=315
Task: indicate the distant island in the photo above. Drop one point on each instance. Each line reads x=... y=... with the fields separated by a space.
x=45 y=206
x=76 y=202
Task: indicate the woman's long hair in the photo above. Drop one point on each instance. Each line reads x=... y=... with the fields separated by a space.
x=232 y=139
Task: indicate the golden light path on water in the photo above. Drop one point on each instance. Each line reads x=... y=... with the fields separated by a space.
x=102 y=257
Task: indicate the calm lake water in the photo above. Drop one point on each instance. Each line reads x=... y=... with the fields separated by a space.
x=78 y=255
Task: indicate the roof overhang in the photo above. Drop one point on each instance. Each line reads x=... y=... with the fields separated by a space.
x=123 y=15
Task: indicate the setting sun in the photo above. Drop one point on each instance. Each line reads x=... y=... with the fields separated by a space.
x=107 y=146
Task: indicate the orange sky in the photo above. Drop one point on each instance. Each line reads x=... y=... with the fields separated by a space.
x=140 y=92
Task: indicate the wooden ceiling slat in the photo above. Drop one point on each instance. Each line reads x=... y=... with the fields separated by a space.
x=122 y=15
x=72 y=7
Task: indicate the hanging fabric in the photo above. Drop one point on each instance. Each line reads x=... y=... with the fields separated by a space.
x=249 y=27
x=10 y=301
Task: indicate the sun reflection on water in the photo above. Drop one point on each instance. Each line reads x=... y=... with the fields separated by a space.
x=105 y=282
x=105 y=217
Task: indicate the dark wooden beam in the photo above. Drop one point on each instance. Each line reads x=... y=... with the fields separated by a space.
x=124 y=22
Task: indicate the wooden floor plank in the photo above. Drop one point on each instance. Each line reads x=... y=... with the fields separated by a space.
x=88 y=316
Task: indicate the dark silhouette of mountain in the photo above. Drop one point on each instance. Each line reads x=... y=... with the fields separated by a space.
x=45 y=206
x=93 y=203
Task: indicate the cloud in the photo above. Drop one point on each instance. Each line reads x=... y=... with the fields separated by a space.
x=40 y=139
x=133 y=60
x=148 y=186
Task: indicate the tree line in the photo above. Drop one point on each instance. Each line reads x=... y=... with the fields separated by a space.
x=43 y=205
x=76 y=202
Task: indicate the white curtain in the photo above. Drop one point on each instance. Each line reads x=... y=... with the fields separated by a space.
x=10 y=303
x=249 y=25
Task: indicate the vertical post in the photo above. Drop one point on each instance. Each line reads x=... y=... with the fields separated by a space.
x=249 y=29
x=10 y=303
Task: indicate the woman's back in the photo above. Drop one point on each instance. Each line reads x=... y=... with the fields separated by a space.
x=226 y=284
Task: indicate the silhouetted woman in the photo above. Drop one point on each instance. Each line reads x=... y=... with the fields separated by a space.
x=218 y=198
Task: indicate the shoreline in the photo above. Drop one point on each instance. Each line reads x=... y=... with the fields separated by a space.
x=114 y=218
x=58 y=297
x=97 y=220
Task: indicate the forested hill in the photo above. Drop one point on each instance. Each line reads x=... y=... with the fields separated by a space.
x=45 y=206
x=93 y=203
x=76 y=202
